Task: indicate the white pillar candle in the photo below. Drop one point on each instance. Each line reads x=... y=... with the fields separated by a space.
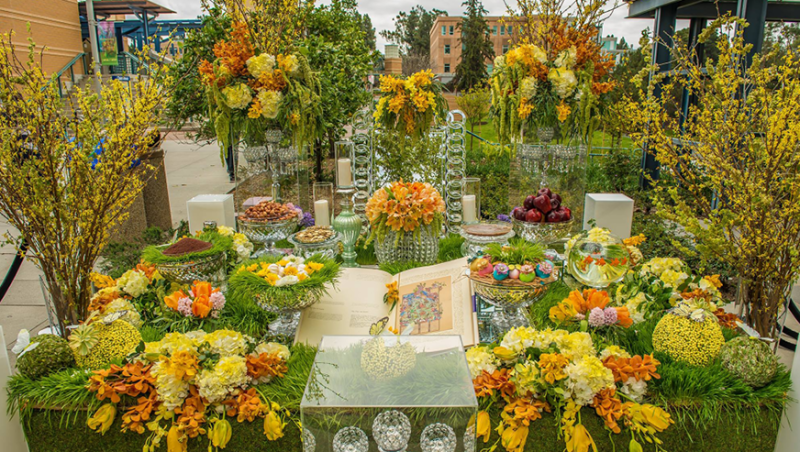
x=470 y=212
x=322 y=215
x=345 y=173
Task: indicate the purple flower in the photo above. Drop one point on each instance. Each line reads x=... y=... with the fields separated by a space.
x=185 y=306
x=610 y=315
x=217 y=301
x=308 y=220
x=504 y=217
x=597 y=318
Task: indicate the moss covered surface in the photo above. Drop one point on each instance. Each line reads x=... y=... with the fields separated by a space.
x=729 y=433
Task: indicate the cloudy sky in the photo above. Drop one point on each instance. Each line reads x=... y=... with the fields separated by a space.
x=383 y=11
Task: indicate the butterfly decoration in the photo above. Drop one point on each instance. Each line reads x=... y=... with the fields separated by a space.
x=23 y=344
x=377 y=328
x=752 y=332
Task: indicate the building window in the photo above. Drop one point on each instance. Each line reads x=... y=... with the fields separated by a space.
x=502 y=30
x=451 y=29
x=489 y=68
x=447 y=68
x=510 y=30
x=447 y=49
x=444 y=30
x=494 y=30
x=521 y=30
x=463 y=47
x=505 y=49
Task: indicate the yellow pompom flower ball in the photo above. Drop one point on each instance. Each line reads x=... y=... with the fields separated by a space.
x=684 y=339
x=114 y=341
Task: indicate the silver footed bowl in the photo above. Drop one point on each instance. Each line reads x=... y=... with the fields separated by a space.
x=211 y=269
x=543 y=232
x=511 y=295
x=328 y=248
x=267 y=232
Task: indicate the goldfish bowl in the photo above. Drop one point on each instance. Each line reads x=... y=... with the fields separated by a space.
x=597 y=258
x=545 y=233
x=510 y=298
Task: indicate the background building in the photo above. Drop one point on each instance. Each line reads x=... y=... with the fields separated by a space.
x=446 y=42
x=55 y=27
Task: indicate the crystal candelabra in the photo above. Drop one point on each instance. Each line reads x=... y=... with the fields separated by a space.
x=273 y=138
x=349 y=225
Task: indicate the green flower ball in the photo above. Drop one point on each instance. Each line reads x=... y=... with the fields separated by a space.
x=114 y=342
x=749 y=359
x=51 y=355
x=382 y=363
x=696 y=343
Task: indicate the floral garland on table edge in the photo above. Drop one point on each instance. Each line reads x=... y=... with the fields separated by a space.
x=546 y=86
x=533 y=371
x=185 y=385
x=410 y=106
x=284 y=280
x=404 y=207
x=250 y=91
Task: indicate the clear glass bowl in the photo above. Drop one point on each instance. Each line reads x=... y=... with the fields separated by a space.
x=474 y=243
x=328 y=248
x=598 y=260
x=267 y=233
x=288 y=315
x=543 y=232
x=423 y=248
x=212 y=269
x=511 y=299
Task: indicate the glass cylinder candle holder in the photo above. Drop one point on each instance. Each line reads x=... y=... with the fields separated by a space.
x=344 y=164
x=471 y=200
x=323 y=203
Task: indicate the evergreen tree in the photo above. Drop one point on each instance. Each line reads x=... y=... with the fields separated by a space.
x=369 y=31
x=477 y=47
x=412 y=31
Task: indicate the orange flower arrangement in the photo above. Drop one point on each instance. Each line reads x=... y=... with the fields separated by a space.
x=638 y=367
x=487 y=384
x=265 y=365
x=404 y=207
x=202 y=301
x=608 y=407
x=590 y=305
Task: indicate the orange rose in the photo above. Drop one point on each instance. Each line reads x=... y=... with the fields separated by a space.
x=172 y=300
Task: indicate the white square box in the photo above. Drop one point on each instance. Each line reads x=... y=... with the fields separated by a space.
x=217 y=208
x=613 y=211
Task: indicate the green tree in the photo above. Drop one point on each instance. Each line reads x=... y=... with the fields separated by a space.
x=477 y=47
x=189 y=100
x=369 y=32
x=337 y=49
x=475 y=103
x=412 y=31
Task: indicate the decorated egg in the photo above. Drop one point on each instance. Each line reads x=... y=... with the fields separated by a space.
x=544 y=269
x=500 y=272
x=477 y=264
x=514 y=273
x=527 y=273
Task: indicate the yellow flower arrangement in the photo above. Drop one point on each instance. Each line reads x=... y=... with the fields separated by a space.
x=533 y=371
x=411 y=105
x=404 y=207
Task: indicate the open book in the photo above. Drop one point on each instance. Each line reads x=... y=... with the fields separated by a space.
x=434 y=299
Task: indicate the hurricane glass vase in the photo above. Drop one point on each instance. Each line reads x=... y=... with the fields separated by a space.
x=421 y=245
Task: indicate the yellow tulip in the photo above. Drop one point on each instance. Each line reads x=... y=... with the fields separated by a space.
x=174 y=443
x=656 y=417
x=220 y=434
x=581 y=440
x=484 y=427
x=515 y=438
x=103 y=418
x=273 y=426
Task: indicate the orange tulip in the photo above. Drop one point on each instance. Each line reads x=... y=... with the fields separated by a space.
x=201 y=307
x=588 y=300
x=172 y=300
x=202 y=289
x=624 y=317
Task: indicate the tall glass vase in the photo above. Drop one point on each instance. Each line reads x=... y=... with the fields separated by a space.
x=420 y=246
x=273 y=137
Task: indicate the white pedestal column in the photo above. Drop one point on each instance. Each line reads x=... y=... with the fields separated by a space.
x=613 y=211
x=11 y=436
x=217 y=208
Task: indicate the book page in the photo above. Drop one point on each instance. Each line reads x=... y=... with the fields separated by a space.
x=437 y=300
x=348 y=309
